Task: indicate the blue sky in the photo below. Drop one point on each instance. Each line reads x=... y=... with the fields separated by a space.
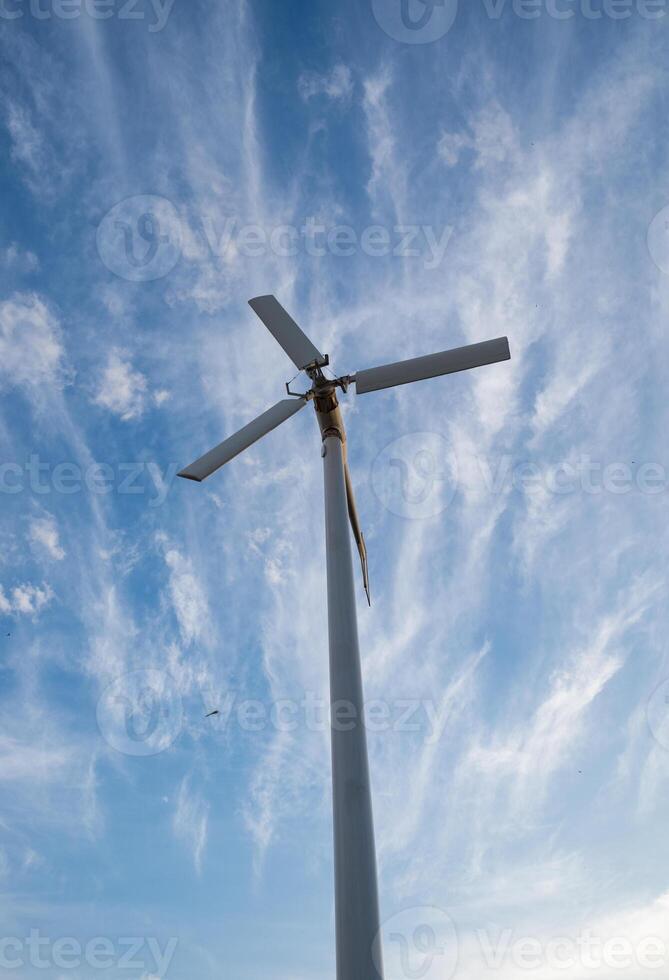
x=503 y=178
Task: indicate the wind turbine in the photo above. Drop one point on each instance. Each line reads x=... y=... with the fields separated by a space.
x=356 y=890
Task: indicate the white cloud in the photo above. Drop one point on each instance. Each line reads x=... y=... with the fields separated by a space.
x=31 y=350
x=495 y=137
x=44 y=533
x=17 y=259
x=31 y=859
x=336 y=85
x=46 y=774
x=519 y=764
x=208 y=287
x=27 y=142
x=161 y=396
x=492 y=138
x=451 y=145
x=22 y=761
x=29 y=600
x=573 y=371
x=25 y=600
x=388 y=178
x=43 y=121
x=121 y=389
x=187 y=595
x=114 y=300
x=191 y=820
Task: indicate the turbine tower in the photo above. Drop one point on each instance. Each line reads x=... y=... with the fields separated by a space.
x=356 y=891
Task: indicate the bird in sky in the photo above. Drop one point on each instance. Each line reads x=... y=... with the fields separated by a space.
x=212 y=713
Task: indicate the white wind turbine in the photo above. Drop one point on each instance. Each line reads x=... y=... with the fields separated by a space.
x=356 y=891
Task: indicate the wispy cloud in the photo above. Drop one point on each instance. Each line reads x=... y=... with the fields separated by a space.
x=28 y=146
x=25 y=599
x=31 y=346
x=528 y=756
x=186 y=593
x=44 y=534
x=191 y=821
x=16 y=259
x=492 y=138
x=336 y=84
x=121 y=389
x=526 y=621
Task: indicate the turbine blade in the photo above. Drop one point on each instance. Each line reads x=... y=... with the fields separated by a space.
x=241 y=440
x=432 y=366
x=357 y=533
x=285 y=331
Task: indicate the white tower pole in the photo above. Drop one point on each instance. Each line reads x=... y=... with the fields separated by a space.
x=356 y=890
